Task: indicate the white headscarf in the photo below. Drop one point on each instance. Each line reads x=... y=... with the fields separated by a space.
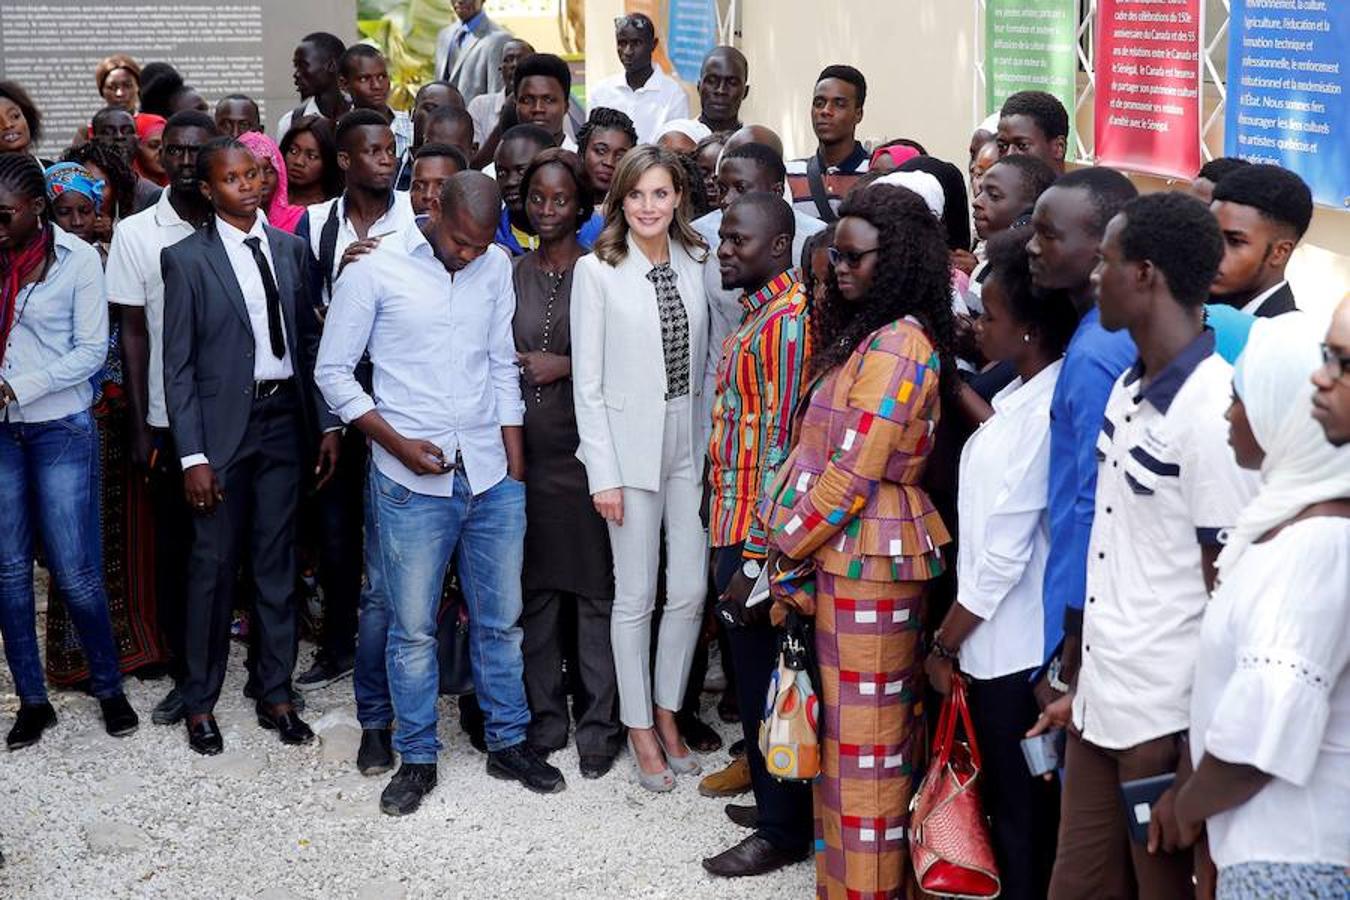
x=1301 y=467
x=690 y=128
x=990 y=124
x=923 y=184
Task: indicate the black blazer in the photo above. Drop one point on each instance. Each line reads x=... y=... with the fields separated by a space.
x=209 y=344
x=1277 y=304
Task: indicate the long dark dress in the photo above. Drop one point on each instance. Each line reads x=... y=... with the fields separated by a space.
x=566 y=543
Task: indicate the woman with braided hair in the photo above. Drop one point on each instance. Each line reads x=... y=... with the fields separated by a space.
x=856 y=538
x=53 y=339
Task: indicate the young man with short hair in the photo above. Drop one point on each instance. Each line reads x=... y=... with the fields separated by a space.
x=1035 y=123
x=135 y=284
x=1263 y=212
x=238 y=114
x=1211 y=173
x=1169 y=489
x=432 y=166
x=431 y=98
x=759 y=383
x=315 y=65
x=820 y=182
x=363 y=74
x=448 y=458
x=517 y=150
x=723 y=85
x=543 y=83
x=650 y=97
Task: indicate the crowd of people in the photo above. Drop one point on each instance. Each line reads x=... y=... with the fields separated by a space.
x=582 y=381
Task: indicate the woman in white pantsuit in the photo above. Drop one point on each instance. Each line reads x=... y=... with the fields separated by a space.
x=639 y=345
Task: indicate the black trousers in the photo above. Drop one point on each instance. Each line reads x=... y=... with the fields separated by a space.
x=173 y=543
x=338 y=523
x=785 y=816
x=544 y=622
x=261 y=484
x=1023 y=809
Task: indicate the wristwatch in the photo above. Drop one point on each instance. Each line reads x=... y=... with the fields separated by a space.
x=751 y=568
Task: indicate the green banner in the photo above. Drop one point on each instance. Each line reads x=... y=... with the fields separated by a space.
x=1031 y=45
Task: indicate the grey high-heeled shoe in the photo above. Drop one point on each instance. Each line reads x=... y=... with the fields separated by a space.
x=656 y=782
x=682 y=765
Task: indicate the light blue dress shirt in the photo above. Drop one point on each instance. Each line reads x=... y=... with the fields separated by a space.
x=60 y=336
x=443 y=354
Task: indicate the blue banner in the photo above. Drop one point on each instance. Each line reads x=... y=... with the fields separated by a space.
x=692 y=33
x=1287 y=99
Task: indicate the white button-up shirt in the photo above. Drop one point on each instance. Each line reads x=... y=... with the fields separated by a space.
x=1005 y=536
x=59 y=339
x=397 y=221
x=1167 y=484
x=1272 y=690
x=650 y=106
x=135 y=279
x=443 y=354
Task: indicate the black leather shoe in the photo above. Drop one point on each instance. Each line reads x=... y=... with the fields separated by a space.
x=204 y=737
x=297 y=698
x=521 y=763
x=737 y=749
x=288 y=725
x=596 y=766
x=752 y=856
x=404 y=792
x=745 y=815
x=376 y=755
x=119 y=719
x=170 y=710
x=29 y=725
x=698 y=734
x=324 y=672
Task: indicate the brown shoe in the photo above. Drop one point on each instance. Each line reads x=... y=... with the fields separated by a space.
x=730 y=782
x=752 y=856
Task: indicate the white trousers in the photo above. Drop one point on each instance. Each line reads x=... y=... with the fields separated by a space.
x=637 y=545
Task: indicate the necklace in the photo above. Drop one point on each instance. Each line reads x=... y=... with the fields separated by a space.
x=555 y=286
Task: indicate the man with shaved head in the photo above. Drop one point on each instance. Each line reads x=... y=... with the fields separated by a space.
x=723 y=85
x=759 y=381
x=754 y=134
x=446 y=479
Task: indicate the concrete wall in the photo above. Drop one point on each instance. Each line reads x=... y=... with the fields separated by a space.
x=918 y=56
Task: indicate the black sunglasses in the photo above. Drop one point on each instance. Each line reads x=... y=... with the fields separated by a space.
x=641 y=23
x=854 y=258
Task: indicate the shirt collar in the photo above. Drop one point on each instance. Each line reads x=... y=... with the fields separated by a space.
x=165 y=215
x=1020 y=393
x=854 y=162
x=473 y=22
x=777 y=286
x=1254 y=304
x=342 y=206
x=1162 y=390
x=229 y=233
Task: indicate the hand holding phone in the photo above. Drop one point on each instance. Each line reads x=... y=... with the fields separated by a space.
x=1044 y=753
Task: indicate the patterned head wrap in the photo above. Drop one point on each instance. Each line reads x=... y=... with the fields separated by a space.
x=68 y=176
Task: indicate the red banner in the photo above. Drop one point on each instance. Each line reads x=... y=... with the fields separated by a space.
x=1147 y=112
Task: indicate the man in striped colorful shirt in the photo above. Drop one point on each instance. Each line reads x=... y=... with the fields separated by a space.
x=759 y=381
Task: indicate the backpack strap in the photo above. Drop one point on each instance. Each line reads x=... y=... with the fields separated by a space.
x=328 y=249
x=815 y=179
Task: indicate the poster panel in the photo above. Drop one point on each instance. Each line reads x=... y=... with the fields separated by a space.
x=1030 y=45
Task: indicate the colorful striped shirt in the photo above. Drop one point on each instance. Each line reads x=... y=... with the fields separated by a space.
x=759 y=382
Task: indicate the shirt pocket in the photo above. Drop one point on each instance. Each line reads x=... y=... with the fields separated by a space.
x=1146 y=474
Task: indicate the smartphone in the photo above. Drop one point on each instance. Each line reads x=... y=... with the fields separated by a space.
x=1044 y=753
x=1140 y=796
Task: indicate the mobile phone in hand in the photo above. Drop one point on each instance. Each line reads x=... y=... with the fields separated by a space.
x=1140 y=796
x=1044 y=753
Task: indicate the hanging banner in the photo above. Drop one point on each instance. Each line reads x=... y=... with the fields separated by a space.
x=1031 y=45
x=1147 y=110
x=693 y=34
x=1287 y=100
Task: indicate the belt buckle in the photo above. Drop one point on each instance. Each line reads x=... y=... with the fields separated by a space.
x=264 y=389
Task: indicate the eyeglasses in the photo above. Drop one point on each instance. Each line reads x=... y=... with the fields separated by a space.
x=1333 y=363
x=641 y=23
x=854 y=258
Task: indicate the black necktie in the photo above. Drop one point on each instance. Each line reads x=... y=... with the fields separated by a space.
x=273 y=298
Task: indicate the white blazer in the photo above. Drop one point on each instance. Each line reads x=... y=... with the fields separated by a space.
x=618 y=367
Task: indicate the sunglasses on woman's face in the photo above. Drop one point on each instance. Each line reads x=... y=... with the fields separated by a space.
x=853 y=258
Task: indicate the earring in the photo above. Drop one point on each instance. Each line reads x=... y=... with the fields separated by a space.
x=1026 y=337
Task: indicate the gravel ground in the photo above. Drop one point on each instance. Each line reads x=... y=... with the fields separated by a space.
x=89 y=816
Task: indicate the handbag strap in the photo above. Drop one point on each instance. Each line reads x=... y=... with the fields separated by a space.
x=962 y=706
x=954 y=708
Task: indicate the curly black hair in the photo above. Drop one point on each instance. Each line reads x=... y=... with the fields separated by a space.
x=1277 y=193
x=913 y=278
x=1042 y=108
x=1220 y=167
x=121 y=177
x=602 y=118
x=1177 y=233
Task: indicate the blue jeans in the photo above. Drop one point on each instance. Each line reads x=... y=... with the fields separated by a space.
x=417 y=535
x=49 y=487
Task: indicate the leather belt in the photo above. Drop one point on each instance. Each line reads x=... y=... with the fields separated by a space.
x=264 y=389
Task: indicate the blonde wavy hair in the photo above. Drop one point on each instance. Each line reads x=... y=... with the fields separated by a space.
x=612 y=244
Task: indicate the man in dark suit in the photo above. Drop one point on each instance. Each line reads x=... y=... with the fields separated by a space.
x=1263 y=211
x=240 y=338
x=469 y=53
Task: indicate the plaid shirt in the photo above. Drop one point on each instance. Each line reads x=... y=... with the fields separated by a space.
x=759 y=382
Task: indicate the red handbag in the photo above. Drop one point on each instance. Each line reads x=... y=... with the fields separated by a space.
x=949 y=835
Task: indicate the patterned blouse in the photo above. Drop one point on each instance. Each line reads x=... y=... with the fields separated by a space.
x=674 y=330
x=849 y=495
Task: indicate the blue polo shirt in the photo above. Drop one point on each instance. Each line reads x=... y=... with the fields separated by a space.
x=1095 y=358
